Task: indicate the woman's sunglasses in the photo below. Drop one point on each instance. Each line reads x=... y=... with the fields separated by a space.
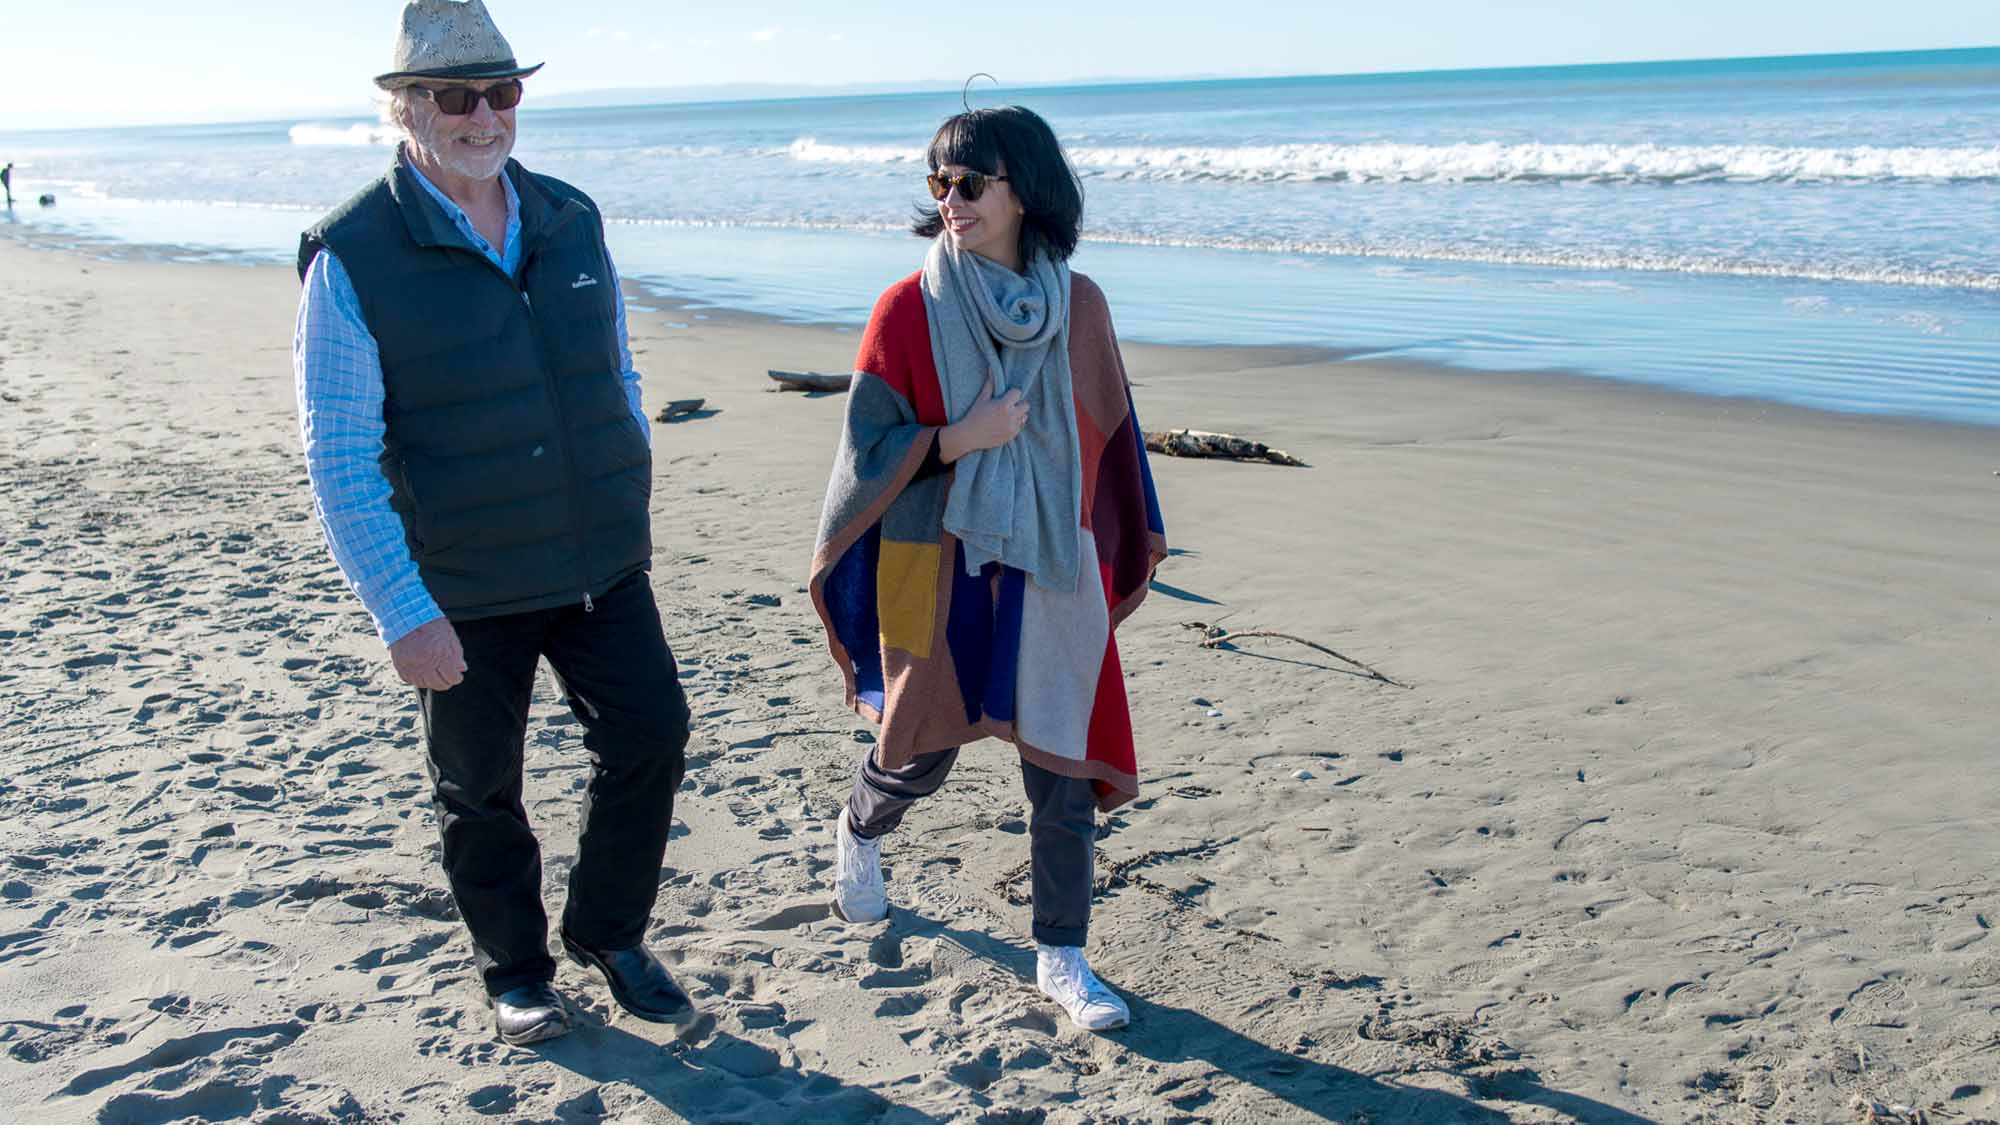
x=457 y=101
x=970 y=186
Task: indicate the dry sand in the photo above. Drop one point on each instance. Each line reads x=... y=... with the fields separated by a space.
x=1689 y=816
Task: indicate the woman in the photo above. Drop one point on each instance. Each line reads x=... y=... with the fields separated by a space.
x=990 y=519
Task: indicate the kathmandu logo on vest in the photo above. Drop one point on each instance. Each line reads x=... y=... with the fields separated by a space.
x=582 y=280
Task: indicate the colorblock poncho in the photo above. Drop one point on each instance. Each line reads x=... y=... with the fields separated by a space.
x=939 y=657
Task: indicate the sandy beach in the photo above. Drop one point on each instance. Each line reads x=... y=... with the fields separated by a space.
x=1687 y=815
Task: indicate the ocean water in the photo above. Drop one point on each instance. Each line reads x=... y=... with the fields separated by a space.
x=1819 y=230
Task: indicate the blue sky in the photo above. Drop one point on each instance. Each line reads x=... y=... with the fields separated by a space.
x=65 y=63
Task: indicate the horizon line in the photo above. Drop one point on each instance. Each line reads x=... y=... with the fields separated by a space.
x=807 y=91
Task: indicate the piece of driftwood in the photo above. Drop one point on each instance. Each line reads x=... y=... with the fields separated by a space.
x=1201 y=443
x=810 y=381
x=678 y=407
x=1215 y=636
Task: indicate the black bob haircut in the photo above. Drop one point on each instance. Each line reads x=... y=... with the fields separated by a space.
x=1016 y=138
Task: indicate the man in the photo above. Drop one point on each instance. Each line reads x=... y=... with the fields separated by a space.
x=482 y=469
x=7 y=181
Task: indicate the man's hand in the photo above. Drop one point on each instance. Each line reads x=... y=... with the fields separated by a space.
x=429 y=656
x=992 y=422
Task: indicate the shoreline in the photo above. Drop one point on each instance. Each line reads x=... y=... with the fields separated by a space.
x=1686 y=818
x=1911 y=374
x=649 y=299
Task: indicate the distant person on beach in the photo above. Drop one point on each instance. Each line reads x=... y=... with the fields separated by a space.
x=7 y=182
x=481 y=466
x=990 y=521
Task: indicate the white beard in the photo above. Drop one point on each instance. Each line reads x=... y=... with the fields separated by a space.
x=473 y=165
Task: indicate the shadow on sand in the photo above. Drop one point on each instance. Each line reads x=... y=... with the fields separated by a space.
x=728 y=1078
x=725 y=1079
x=1176 y=592
x=1323 y=1091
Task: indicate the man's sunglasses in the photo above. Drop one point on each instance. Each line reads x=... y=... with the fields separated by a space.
x=970 y=186
x=457 y=101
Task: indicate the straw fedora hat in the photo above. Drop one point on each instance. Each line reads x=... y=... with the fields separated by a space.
x=450 y=39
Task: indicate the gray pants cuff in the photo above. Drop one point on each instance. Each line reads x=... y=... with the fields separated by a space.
x=1076 y=936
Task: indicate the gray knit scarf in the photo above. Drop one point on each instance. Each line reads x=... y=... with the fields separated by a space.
x=1020 y=504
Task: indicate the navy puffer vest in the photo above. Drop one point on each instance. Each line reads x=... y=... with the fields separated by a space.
x=513 y=457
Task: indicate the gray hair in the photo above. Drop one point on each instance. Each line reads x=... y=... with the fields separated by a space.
x=393 y=109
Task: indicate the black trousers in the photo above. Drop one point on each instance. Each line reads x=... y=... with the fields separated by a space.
x=619 y=678
x=1062 y=832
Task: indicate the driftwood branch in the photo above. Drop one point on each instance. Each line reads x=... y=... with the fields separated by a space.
x=1215 y=636
x=810 y=381
x=679 y=407
x=1201 y=443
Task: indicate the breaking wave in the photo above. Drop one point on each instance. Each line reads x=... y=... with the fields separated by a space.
x=810 y=151
x=1490 y=162
x=1605 y=260
x=358 y=134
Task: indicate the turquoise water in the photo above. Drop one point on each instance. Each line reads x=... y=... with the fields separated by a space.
x=1811 y=230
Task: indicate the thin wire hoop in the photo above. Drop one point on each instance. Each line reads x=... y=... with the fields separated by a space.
x=965 y=95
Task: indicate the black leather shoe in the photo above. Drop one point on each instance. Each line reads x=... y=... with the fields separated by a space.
x=640 y=984
x=529 y=1014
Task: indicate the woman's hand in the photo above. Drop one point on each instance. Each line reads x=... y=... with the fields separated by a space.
x=992 y=422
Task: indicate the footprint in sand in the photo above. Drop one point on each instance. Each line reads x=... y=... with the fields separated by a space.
x=794 y=917
x=221 y=1070
x=1878 y=1003
x=38 y=1041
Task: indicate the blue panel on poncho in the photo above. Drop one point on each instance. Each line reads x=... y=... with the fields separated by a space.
x=1155 y=522
x=1004 y=664
x=969 y=631
x=850 y=600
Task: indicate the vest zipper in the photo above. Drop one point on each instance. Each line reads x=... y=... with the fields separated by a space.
x=416 y=509
x=556 y=411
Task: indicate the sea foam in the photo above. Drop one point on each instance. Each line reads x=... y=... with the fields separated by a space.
x=359 y=134
x=810 y=151
x=1489 y=162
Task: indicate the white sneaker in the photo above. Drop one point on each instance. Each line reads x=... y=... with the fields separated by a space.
x=1066 y=978
x=857 y=876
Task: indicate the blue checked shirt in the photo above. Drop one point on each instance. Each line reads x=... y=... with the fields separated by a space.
x=339 y=376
